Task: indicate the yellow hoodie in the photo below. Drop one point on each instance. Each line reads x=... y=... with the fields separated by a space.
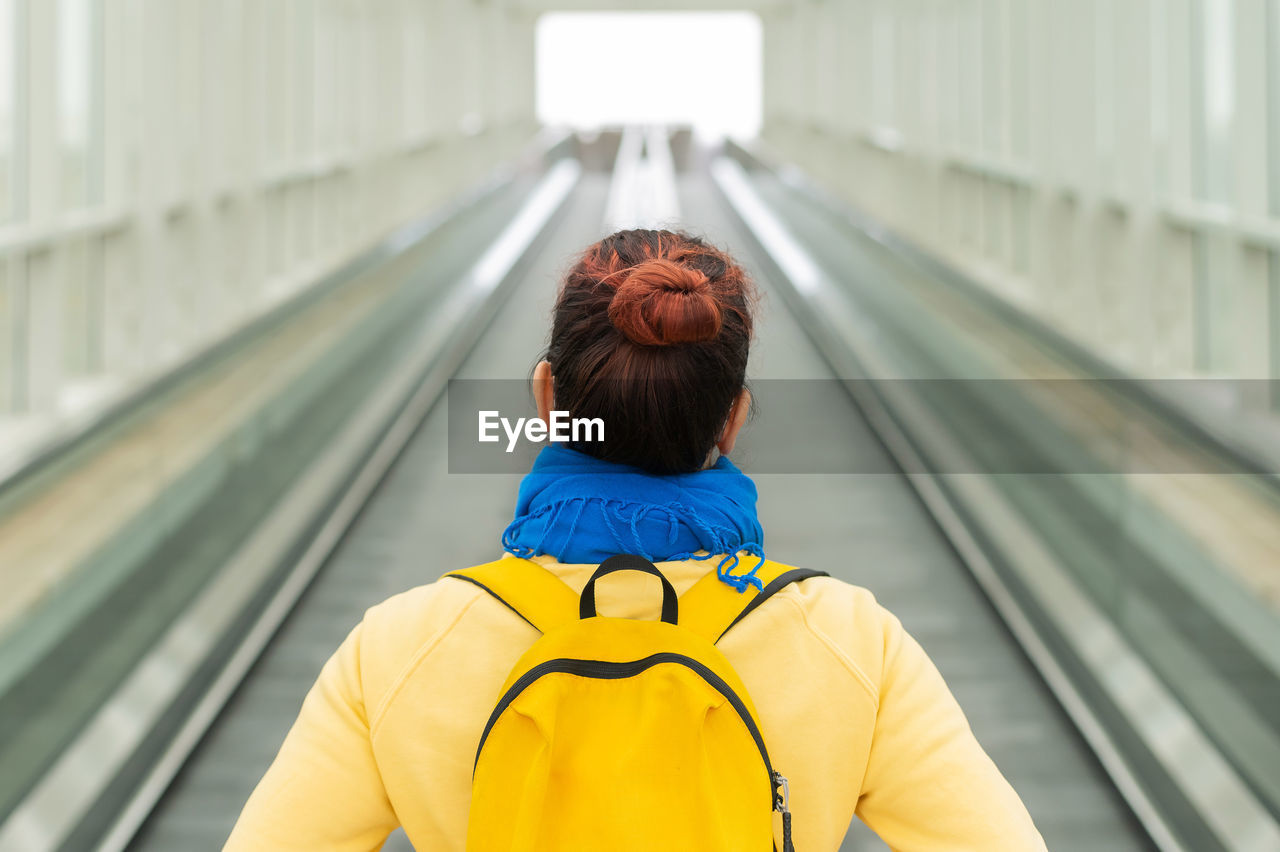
x=853 y=712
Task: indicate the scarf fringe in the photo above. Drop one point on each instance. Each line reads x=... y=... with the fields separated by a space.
x=721 y=539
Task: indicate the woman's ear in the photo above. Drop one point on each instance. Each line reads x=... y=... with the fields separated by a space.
x=737 y=417
x=543 y=390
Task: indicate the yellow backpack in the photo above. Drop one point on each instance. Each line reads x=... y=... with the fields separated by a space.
x=620 y=734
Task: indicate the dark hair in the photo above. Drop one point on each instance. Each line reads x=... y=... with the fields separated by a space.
x=651 y=334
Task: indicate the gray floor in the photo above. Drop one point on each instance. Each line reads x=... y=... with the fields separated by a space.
x=424 y=521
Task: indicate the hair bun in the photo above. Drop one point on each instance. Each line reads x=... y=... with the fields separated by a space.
x=661 y=302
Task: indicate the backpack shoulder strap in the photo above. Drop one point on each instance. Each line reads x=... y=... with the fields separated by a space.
x=527 y=589
x=711 y=608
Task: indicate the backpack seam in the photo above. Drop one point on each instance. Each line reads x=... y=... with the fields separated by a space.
x=419 y=656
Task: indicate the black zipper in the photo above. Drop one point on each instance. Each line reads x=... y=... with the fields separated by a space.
x=612 y=671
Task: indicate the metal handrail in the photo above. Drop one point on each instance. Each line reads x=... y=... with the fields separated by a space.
x=175 y=691
x=1250 y=456
x=1062 y=630
x=68 y=437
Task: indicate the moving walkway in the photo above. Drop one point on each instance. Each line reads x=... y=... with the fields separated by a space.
x=336 y=492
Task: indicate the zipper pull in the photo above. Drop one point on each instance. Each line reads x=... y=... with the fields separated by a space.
x=781 y=803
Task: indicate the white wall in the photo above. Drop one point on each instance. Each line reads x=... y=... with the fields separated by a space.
x=169 y=168
x=611 y=68
x=1114 y=167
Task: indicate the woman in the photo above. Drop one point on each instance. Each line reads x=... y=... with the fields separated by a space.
x=651 y=334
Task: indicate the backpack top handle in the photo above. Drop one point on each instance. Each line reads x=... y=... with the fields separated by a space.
x=628 y=562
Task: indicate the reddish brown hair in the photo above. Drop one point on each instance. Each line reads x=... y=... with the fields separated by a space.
x=651 y=334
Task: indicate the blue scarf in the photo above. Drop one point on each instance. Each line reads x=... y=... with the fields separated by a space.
x=580 y=509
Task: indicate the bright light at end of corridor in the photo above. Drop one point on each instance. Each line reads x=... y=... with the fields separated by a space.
x=608 y=68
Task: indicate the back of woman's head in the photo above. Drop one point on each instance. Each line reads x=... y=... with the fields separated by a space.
x=651 y=334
